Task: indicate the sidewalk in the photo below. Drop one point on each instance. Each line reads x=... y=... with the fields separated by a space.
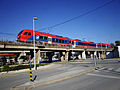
x=74 y=72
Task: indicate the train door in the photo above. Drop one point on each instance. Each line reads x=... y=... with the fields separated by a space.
x=49 y=40
x=74 y=44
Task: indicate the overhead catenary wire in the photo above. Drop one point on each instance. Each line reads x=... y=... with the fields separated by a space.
x=81 y=15
x=69 y=20
x=2 y=33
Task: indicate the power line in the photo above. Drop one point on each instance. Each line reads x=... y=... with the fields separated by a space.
x=2 y=33
x=86 y=13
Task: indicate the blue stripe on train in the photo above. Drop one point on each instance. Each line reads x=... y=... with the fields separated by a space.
x=37 y=38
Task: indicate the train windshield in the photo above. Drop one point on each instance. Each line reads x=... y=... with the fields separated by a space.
x=20 y=32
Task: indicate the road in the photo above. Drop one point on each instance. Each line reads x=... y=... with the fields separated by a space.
x=106 y=78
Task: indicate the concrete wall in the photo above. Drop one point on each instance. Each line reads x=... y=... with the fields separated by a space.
x=119 y=51
x=114 y=54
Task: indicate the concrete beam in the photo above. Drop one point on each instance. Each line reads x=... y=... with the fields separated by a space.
x=17 y=51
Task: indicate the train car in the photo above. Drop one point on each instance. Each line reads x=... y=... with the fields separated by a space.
x=85 y=44
x=27 y=36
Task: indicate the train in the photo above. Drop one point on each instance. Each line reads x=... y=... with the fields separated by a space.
x=26 y=35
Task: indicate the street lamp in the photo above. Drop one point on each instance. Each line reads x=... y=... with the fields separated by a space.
x=34 y=18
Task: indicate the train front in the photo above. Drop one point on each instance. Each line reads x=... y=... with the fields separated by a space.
x=25 y=35
x=22 y=36
x=19 y=36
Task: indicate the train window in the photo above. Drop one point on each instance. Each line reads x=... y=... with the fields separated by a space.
x=45 y=37
x=29 y=34
x=99 y=45
x=20 y=32
x=25 y=33
x=53 y=39
x=62 y=41
x=103 y=46
x=56 y=40
x=92 y=45
x=65 y=41
x=41 y=37
x=70 y=42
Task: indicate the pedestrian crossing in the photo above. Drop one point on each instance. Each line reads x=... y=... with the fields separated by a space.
x=110 y=69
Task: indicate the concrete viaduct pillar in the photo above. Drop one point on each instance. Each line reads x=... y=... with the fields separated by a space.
x=64 y=56
x=20 y=60
x=99 y=55
x=83 y=55
x=95 y=55
x=79 y=56
x=37 y=56
x=103 y=54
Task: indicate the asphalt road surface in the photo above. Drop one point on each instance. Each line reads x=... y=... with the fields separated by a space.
x=106 y=78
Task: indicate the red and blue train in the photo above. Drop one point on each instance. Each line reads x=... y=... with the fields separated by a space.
x=26 y=35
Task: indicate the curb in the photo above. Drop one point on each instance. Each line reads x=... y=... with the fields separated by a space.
x=35 y=85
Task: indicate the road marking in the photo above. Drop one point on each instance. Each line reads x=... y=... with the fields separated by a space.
x=118 y=70
x=106 y=76
x=110 y=69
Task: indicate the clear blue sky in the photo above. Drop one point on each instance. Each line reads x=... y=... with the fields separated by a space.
x=102 y=25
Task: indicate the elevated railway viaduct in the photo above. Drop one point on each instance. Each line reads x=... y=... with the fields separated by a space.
x=64 y=50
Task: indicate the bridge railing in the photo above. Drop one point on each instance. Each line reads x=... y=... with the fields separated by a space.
x=47 y=45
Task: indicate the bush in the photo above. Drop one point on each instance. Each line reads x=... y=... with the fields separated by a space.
x=19 y=67
x=6 y=68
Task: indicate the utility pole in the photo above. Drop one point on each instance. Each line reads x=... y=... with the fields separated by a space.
x=34 y=18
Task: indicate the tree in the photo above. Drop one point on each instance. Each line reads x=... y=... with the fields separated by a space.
x=117 y=43
x=112 y=45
